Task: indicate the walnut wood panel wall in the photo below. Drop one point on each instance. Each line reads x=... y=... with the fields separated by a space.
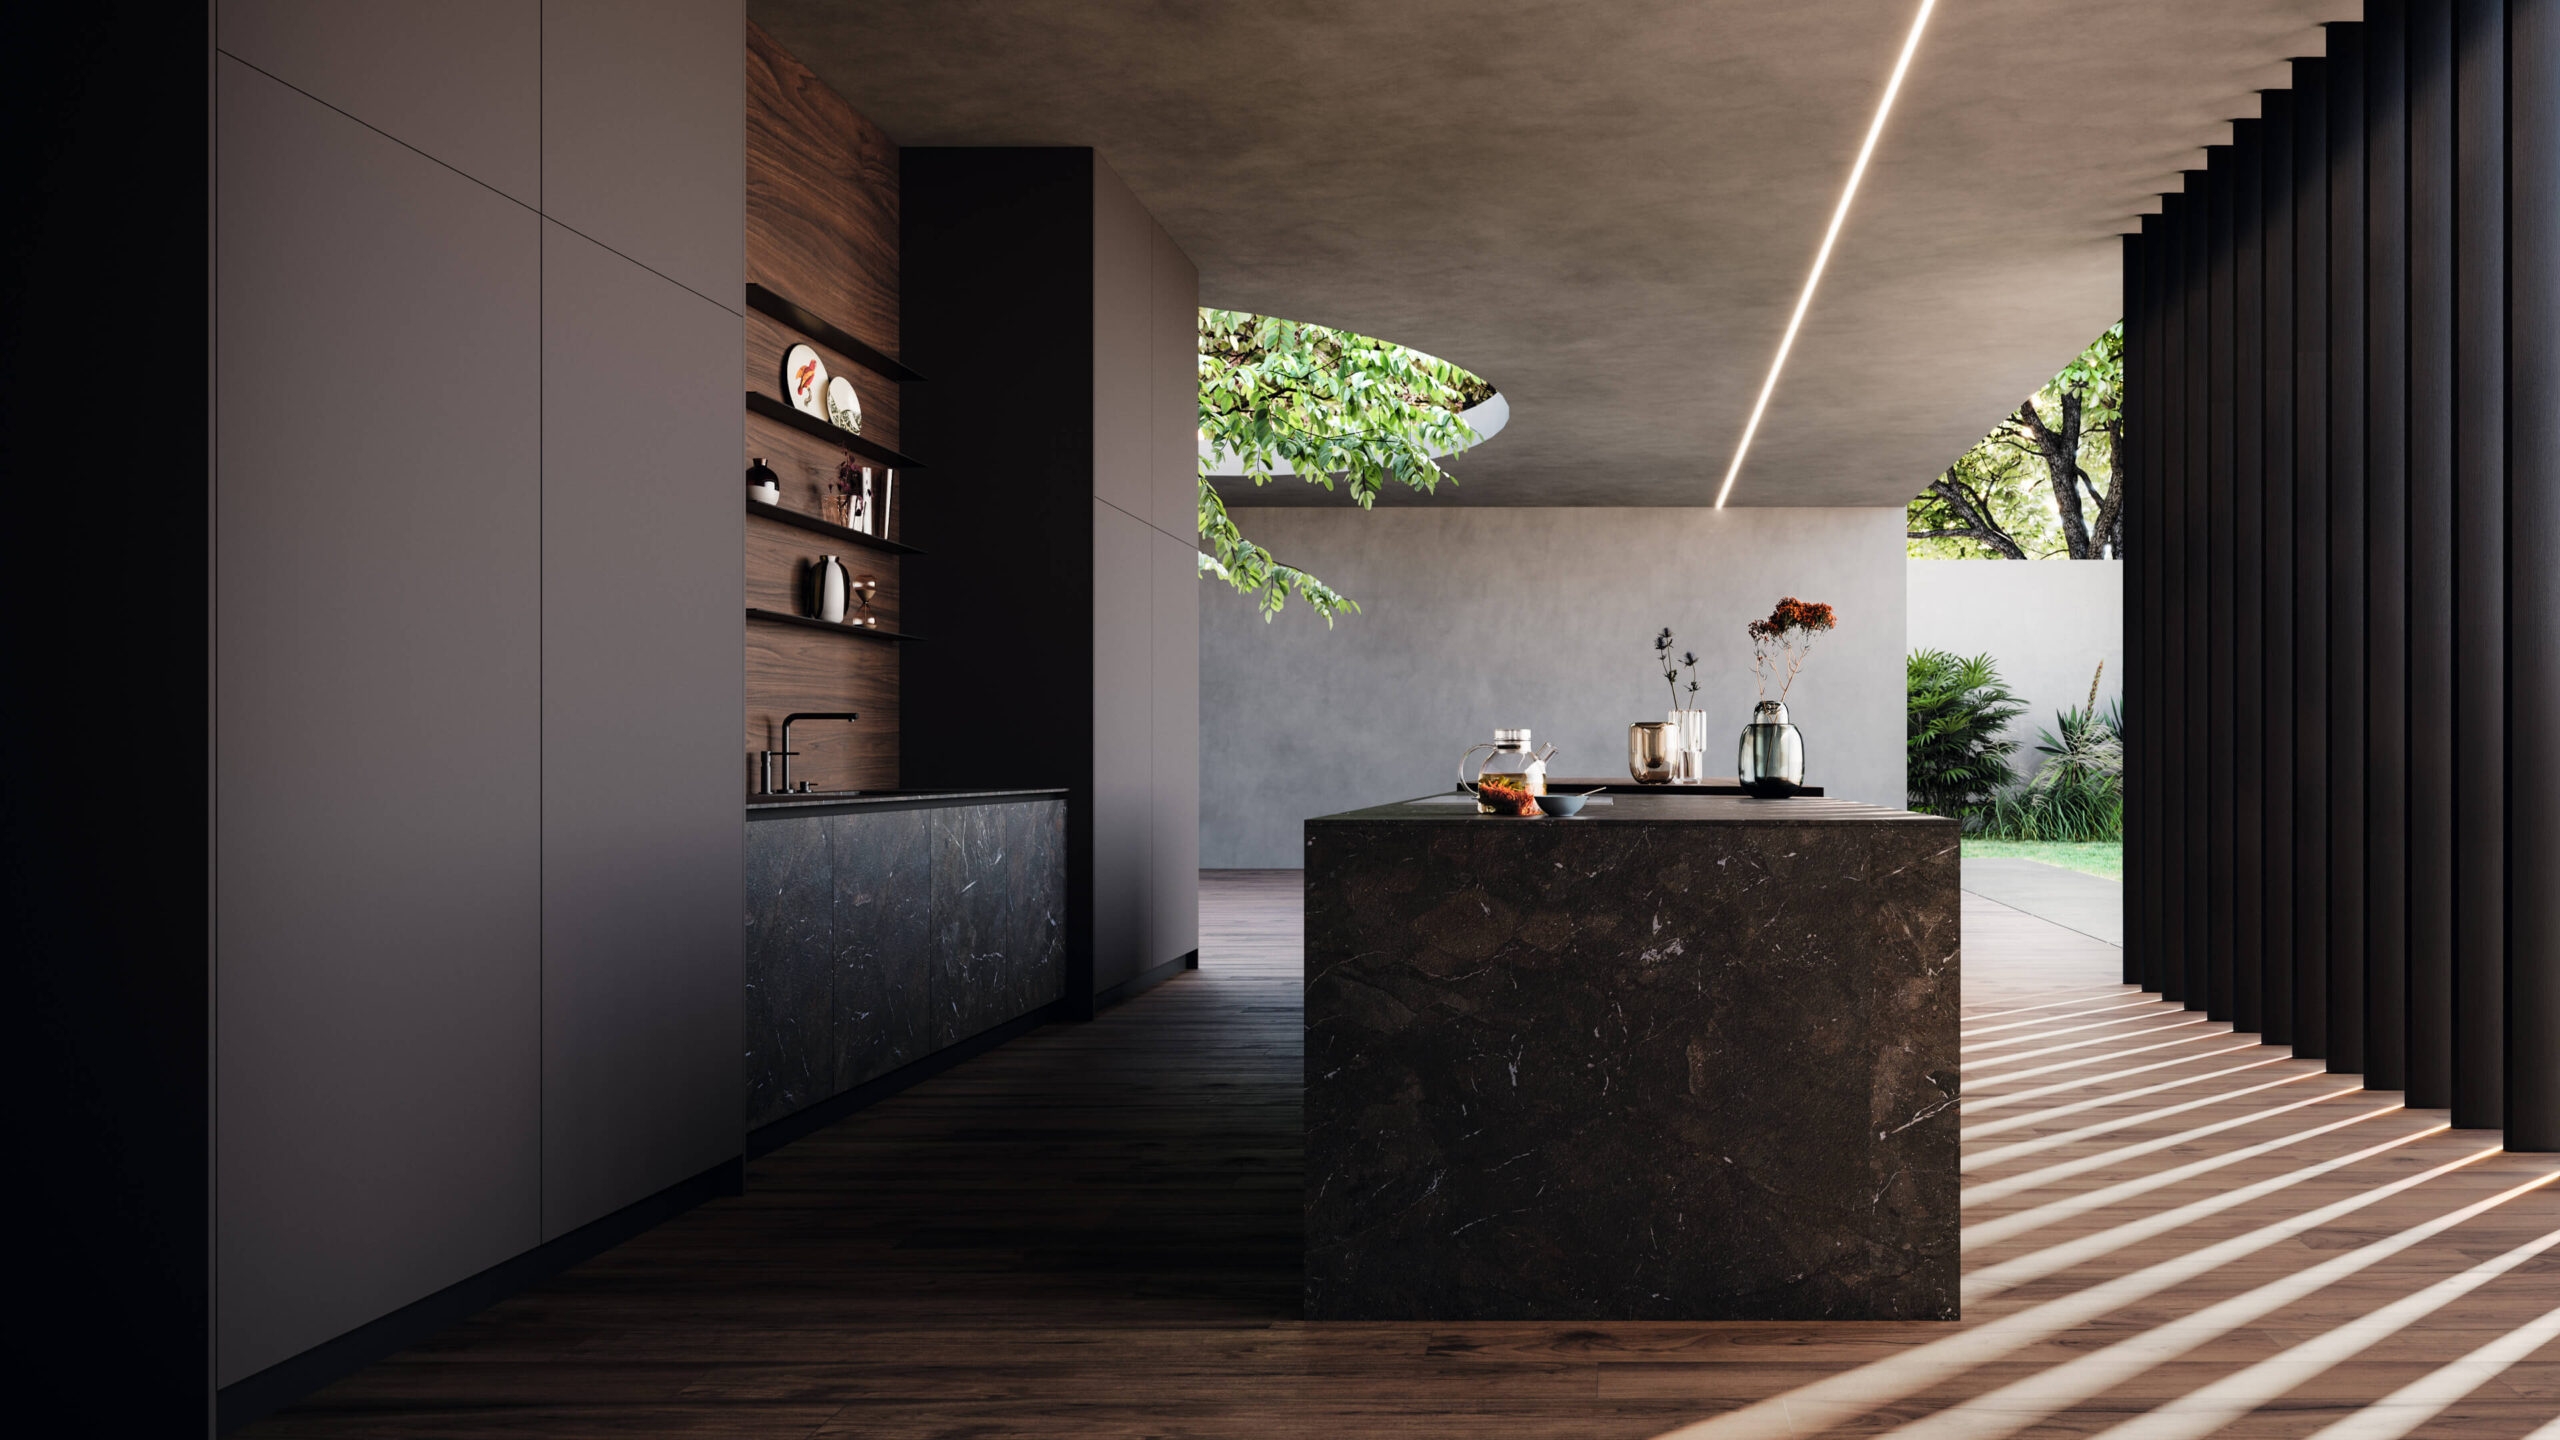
x=2386 y=240
x=822 y=230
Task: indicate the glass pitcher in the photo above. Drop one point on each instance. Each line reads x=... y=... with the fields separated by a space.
x=1511 y=760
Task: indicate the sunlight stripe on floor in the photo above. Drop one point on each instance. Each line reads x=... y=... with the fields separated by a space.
x=2021 y=1403
x=2002 y=1189
x=2201 y=1412
x=2008 y=1274
x=2002 y=1154
x=2403 y=1410
x=2198 y=1038
x=1933 y=1362
x=2097 y=1102
x=1973 y=1106
x=2017 y=1024
x=2013 y=1225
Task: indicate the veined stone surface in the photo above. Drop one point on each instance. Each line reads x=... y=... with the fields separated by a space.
x=1688 y=1059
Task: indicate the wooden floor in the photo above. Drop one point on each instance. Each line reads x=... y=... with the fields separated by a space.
x=2171 y=1231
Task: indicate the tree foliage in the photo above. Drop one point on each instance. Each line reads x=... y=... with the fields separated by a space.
x=1335 y=409
x=2030 y=489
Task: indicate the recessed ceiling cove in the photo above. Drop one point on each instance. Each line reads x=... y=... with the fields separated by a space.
x=1610 y=210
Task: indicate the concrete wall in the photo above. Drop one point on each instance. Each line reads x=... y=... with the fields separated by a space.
x=1483 y=617
x=2048 y=624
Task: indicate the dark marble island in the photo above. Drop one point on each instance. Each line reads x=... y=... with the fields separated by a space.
x=1677 y=1058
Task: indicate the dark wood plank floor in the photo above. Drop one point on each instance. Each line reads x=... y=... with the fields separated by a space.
x=1094 y=1232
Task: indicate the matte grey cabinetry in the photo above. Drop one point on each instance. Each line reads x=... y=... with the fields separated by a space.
x=876 y=937
x=379 y=766
x=475 y=646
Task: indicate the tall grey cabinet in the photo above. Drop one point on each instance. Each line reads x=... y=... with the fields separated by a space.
x=476 y=957
x=1037 y=276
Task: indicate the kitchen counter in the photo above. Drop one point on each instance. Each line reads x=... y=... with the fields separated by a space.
x=821 y=801
x=1623 y=785
x=1681 y=1057
x=886 y=928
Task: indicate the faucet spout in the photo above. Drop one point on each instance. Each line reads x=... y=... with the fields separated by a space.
x=786 y=752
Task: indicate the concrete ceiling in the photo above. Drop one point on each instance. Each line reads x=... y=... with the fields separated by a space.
x=1608 y=209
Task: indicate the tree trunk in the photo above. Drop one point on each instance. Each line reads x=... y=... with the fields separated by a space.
x=1979 y=525
x=2111 y=505
x=2060 y=451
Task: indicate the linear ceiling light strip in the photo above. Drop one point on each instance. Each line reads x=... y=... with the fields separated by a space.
x=1822 y=257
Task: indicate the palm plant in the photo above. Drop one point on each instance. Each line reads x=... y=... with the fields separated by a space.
x=1957 y=760
x=2078 y=793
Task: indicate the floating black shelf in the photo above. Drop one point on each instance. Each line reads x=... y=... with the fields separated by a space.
x=832 y=336
x=776 y=617
x=836 y=435
x=828 y=528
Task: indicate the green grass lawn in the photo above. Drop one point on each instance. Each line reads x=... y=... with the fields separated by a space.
x=2100 y=858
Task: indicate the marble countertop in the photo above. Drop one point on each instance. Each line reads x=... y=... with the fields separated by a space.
x=773 y=804
x=1457 y=808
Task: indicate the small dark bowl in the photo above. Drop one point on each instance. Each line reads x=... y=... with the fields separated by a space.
x=1562 y=805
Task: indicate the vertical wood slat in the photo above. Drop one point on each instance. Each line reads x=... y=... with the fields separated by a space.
x=2196 y=637
x=2134 y=405
x=2311 y=825
x=2217 y=649
x=2479 y=941
x=2246 y=602
x=2347 y=574
x=2276 y=557
x=2428 y=1076
x=2151 y=557
x=2386 y=652
x=2175 y=590
x=2533 y=594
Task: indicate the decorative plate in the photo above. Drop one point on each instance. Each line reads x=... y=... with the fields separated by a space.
x=843 y=406
x=804 y=380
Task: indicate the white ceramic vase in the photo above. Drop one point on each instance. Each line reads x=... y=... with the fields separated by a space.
x=829 y=586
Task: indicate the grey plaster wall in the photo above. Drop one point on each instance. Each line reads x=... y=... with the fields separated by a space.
x=2049 y=623
x=1476 y=618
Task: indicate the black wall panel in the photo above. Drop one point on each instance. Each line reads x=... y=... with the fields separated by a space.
x=2533 y=594
x=2178 y=592
x=2343 y=349
x=2429 y=844
x=2198 y=635
x=2478 y=737
x=2137 y=597
x=2218 y=724
x=2246 y=605
x=2276 y=571
x=2347 y=573
x=2386 y=679
x=2311 y=827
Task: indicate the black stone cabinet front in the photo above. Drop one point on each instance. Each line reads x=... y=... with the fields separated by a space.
x=876 y=937
x=1694 y=1061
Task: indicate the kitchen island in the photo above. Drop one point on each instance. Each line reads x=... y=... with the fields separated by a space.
x=1681 y=1057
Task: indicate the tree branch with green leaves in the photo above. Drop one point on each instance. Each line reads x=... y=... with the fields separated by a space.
x=2035 y=476
x=1282 y=397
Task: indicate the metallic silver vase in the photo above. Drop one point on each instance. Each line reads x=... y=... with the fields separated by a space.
x=1771 y=762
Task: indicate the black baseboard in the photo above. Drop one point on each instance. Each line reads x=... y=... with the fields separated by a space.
x=1144 y=981
x=255 y=1397
x=764 y=1140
